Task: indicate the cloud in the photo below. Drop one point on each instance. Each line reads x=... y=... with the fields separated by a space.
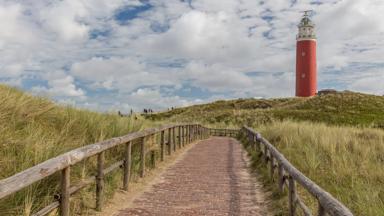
x=119 y=54
x=60 y=85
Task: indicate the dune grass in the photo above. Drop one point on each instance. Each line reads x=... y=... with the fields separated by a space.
x=336 y=140
x=347 y=162
x=339 y=154
x=35 y=129
x=344 y=108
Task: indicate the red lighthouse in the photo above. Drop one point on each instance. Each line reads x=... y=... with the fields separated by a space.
x=306 y=67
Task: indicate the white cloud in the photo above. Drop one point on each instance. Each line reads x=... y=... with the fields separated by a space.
x=64 y=18
x=60 y=84
x=211 y=46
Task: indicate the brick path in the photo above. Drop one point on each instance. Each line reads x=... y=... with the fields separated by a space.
x=211 y=179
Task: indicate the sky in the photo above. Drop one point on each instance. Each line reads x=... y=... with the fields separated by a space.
x=109 y=55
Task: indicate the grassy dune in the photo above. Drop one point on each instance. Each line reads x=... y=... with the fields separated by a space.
x=336 y=145
x=34 y=129
x=346 y=108
x=348 y=162
x=337 y=140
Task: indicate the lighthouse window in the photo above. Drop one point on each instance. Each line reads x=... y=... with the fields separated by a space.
x=302 y=53
x=303 y=75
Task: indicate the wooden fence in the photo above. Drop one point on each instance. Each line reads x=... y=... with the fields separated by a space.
x=223 y=132
x=178 y=135
x=288 y=176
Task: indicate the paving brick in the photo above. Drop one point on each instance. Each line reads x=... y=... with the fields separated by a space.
x=211 y=179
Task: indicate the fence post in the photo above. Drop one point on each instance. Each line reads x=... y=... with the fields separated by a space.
x=193 y=133
x=184 y=135
x=162 y=141
x=292 y=196
x=281 y=177
x=272 y=166
x=169 y=141
x=142 y=158
x=266 y=153
x=174 y=138
x=100 y=182
x=153 y=158
x=179 y=128
x=190 y=133
x=321 y=211
x=127 y=165
x=187 y=130
x=65 y=185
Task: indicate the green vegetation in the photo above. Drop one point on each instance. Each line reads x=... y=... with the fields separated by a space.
x=332 y=139
x=336 y=140
x=346 y=108
x=345 y=161
x=34 y=129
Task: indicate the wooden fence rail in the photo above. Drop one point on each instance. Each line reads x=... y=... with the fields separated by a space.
x=178 y=135
x=288 y=176
x=223 y=132
x=62 y=163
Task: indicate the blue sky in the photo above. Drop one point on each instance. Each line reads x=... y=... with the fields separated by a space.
x=117 y=55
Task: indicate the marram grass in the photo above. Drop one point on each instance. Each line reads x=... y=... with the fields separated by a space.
x=34 y=129
x=347 y=162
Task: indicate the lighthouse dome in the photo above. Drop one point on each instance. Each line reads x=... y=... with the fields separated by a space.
x=305 y=21
x=306 y=28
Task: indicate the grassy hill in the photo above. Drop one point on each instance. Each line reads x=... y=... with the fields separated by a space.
x=346 y=161
x=324 y=136
x=344 y=108
x=35 y=129
x=333 y=139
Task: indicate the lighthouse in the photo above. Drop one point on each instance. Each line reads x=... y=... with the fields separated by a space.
x=306 y=67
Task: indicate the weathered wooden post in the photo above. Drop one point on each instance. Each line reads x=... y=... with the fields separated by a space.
x=127 y=165
x=142 y=158
x=153 y=158
x=100 y=182
x=272 y=166
x=162 y=142
x=174 y=138
x=65 y=185
x=189 y=133
x=292 y=196
x=196 y=135
x=321 y=211
x=185 y=136
x=180 y=135
x=257 y=145
x=281 y=177
x=192 y=133
x=169 y=141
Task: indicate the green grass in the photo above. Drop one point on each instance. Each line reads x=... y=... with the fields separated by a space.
x=336 y=140
x=34 y=129
x=345 y=161
x=331 y=139
x=345 y=108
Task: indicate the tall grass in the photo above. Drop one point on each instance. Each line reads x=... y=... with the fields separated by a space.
x=34 y=129
x=344 y=108
x=345 y=161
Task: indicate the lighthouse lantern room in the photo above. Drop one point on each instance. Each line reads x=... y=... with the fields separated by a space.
x=306 y=67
